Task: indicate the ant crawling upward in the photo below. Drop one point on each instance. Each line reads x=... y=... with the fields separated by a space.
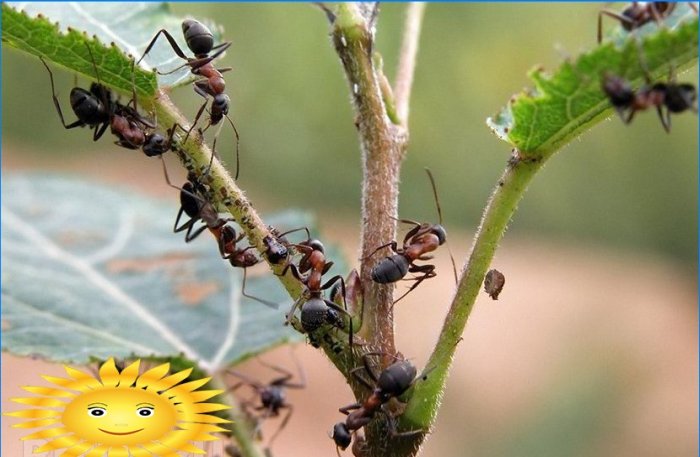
x=671 y=96
x=273 y=396
x=639 y=14
x=200 y=41
x=420 y=240
x=315 y=310
x=392 y=382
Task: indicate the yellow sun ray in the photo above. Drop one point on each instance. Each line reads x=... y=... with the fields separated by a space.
x=40 y=401
x=48 y=391
x=168 y=382
x=119 y=413
x=47 y=433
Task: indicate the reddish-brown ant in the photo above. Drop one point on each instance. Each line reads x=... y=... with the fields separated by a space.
x=669 y=97
x=420 y=240
x=272 y=396
x=392 y=382
x=200 y=41
x=315 y=310
x=639 y=14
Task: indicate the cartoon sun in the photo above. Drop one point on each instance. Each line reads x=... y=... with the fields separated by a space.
x=121 y=414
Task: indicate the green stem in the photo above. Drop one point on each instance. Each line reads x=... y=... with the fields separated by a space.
x=422 y=408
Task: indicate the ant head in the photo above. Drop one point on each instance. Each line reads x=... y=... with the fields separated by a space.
x=341 y=435
x=155 y=145
x=220 y=103
x=439 y=231
x=199 y=38
x=276 y=252
x=272 y=397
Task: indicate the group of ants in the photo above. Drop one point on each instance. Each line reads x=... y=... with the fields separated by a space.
x=98 y=109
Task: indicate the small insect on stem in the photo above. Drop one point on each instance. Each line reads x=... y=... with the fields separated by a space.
x=493 y=283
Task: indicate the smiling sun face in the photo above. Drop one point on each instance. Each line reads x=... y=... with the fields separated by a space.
x=121 y=413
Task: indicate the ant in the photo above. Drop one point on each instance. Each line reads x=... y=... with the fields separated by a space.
x=273 y=394
x=674 y=97
x=420 y=240
x=200 y=41
x=315 y=310
x=96 y=108
x=194 y=204
x=639 y=14
x=392 y=382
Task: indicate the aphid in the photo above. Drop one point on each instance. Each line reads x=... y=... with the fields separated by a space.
x=493 y=283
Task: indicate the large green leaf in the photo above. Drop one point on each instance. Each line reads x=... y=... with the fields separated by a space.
x=58 y=32
x=95 y=271
x=569 y=101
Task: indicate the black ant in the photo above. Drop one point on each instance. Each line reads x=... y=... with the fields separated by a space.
x=273 y=394
x=674 y=97
x=420 y=240
x=200 y=41
x=315 y=310
x=96 y=108
x=639 y=14
x=392 y=382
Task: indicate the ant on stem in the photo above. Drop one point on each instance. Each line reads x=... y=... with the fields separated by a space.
x=639 y=14
x=420 y=240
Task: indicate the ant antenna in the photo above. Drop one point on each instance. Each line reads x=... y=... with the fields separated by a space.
x=439 y=211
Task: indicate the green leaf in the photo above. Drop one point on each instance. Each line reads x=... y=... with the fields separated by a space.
x=570 y=101
x=59 y=32
x=95 y=271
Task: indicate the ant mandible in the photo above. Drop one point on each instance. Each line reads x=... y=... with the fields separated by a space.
x=392 y=382
x=272 y=396
x=639 y=14
x=200 y=41
x=420 y=240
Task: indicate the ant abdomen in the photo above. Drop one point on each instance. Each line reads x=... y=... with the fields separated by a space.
x=390 y=269
x=199 y=38
x=88 y=107
x=341 y=435
x=314 y=314
x=397 y=378
x=680 y=97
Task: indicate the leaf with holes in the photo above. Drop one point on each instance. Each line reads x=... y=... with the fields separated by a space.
x=571 y=100
x=112 y=280
x=59 y=32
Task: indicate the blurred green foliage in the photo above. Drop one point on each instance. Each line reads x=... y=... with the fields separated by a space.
x=633 y=187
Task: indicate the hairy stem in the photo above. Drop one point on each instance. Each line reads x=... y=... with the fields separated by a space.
x=422 y=408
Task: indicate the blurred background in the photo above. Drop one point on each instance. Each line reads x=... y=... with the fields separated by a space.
x=591 y=349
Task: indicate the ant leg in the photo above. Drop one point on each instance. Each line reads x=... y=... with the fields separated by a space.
x=393 y=245
x=264 y=302
x=428 y=271
x=99 y=132
x=75 y=124
x=238 y=141
x=196 y=118
x=613 y=15
x=282 y=425
x=283 y=381
x=665 y=120
x=346 y=409
x=245 y=380
x=362 y=380
x=296 y=305
x=170 y=39
x=344 y=310
x=189 y=236
x=195 y=64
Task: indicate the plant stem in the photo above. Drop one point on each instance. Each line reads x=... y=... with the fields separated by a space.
x=422 y=407
x=382 y=144
x=407 y=59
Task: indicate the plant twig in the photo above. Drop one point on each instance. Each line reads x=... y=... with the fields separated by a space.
x=407 y=59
